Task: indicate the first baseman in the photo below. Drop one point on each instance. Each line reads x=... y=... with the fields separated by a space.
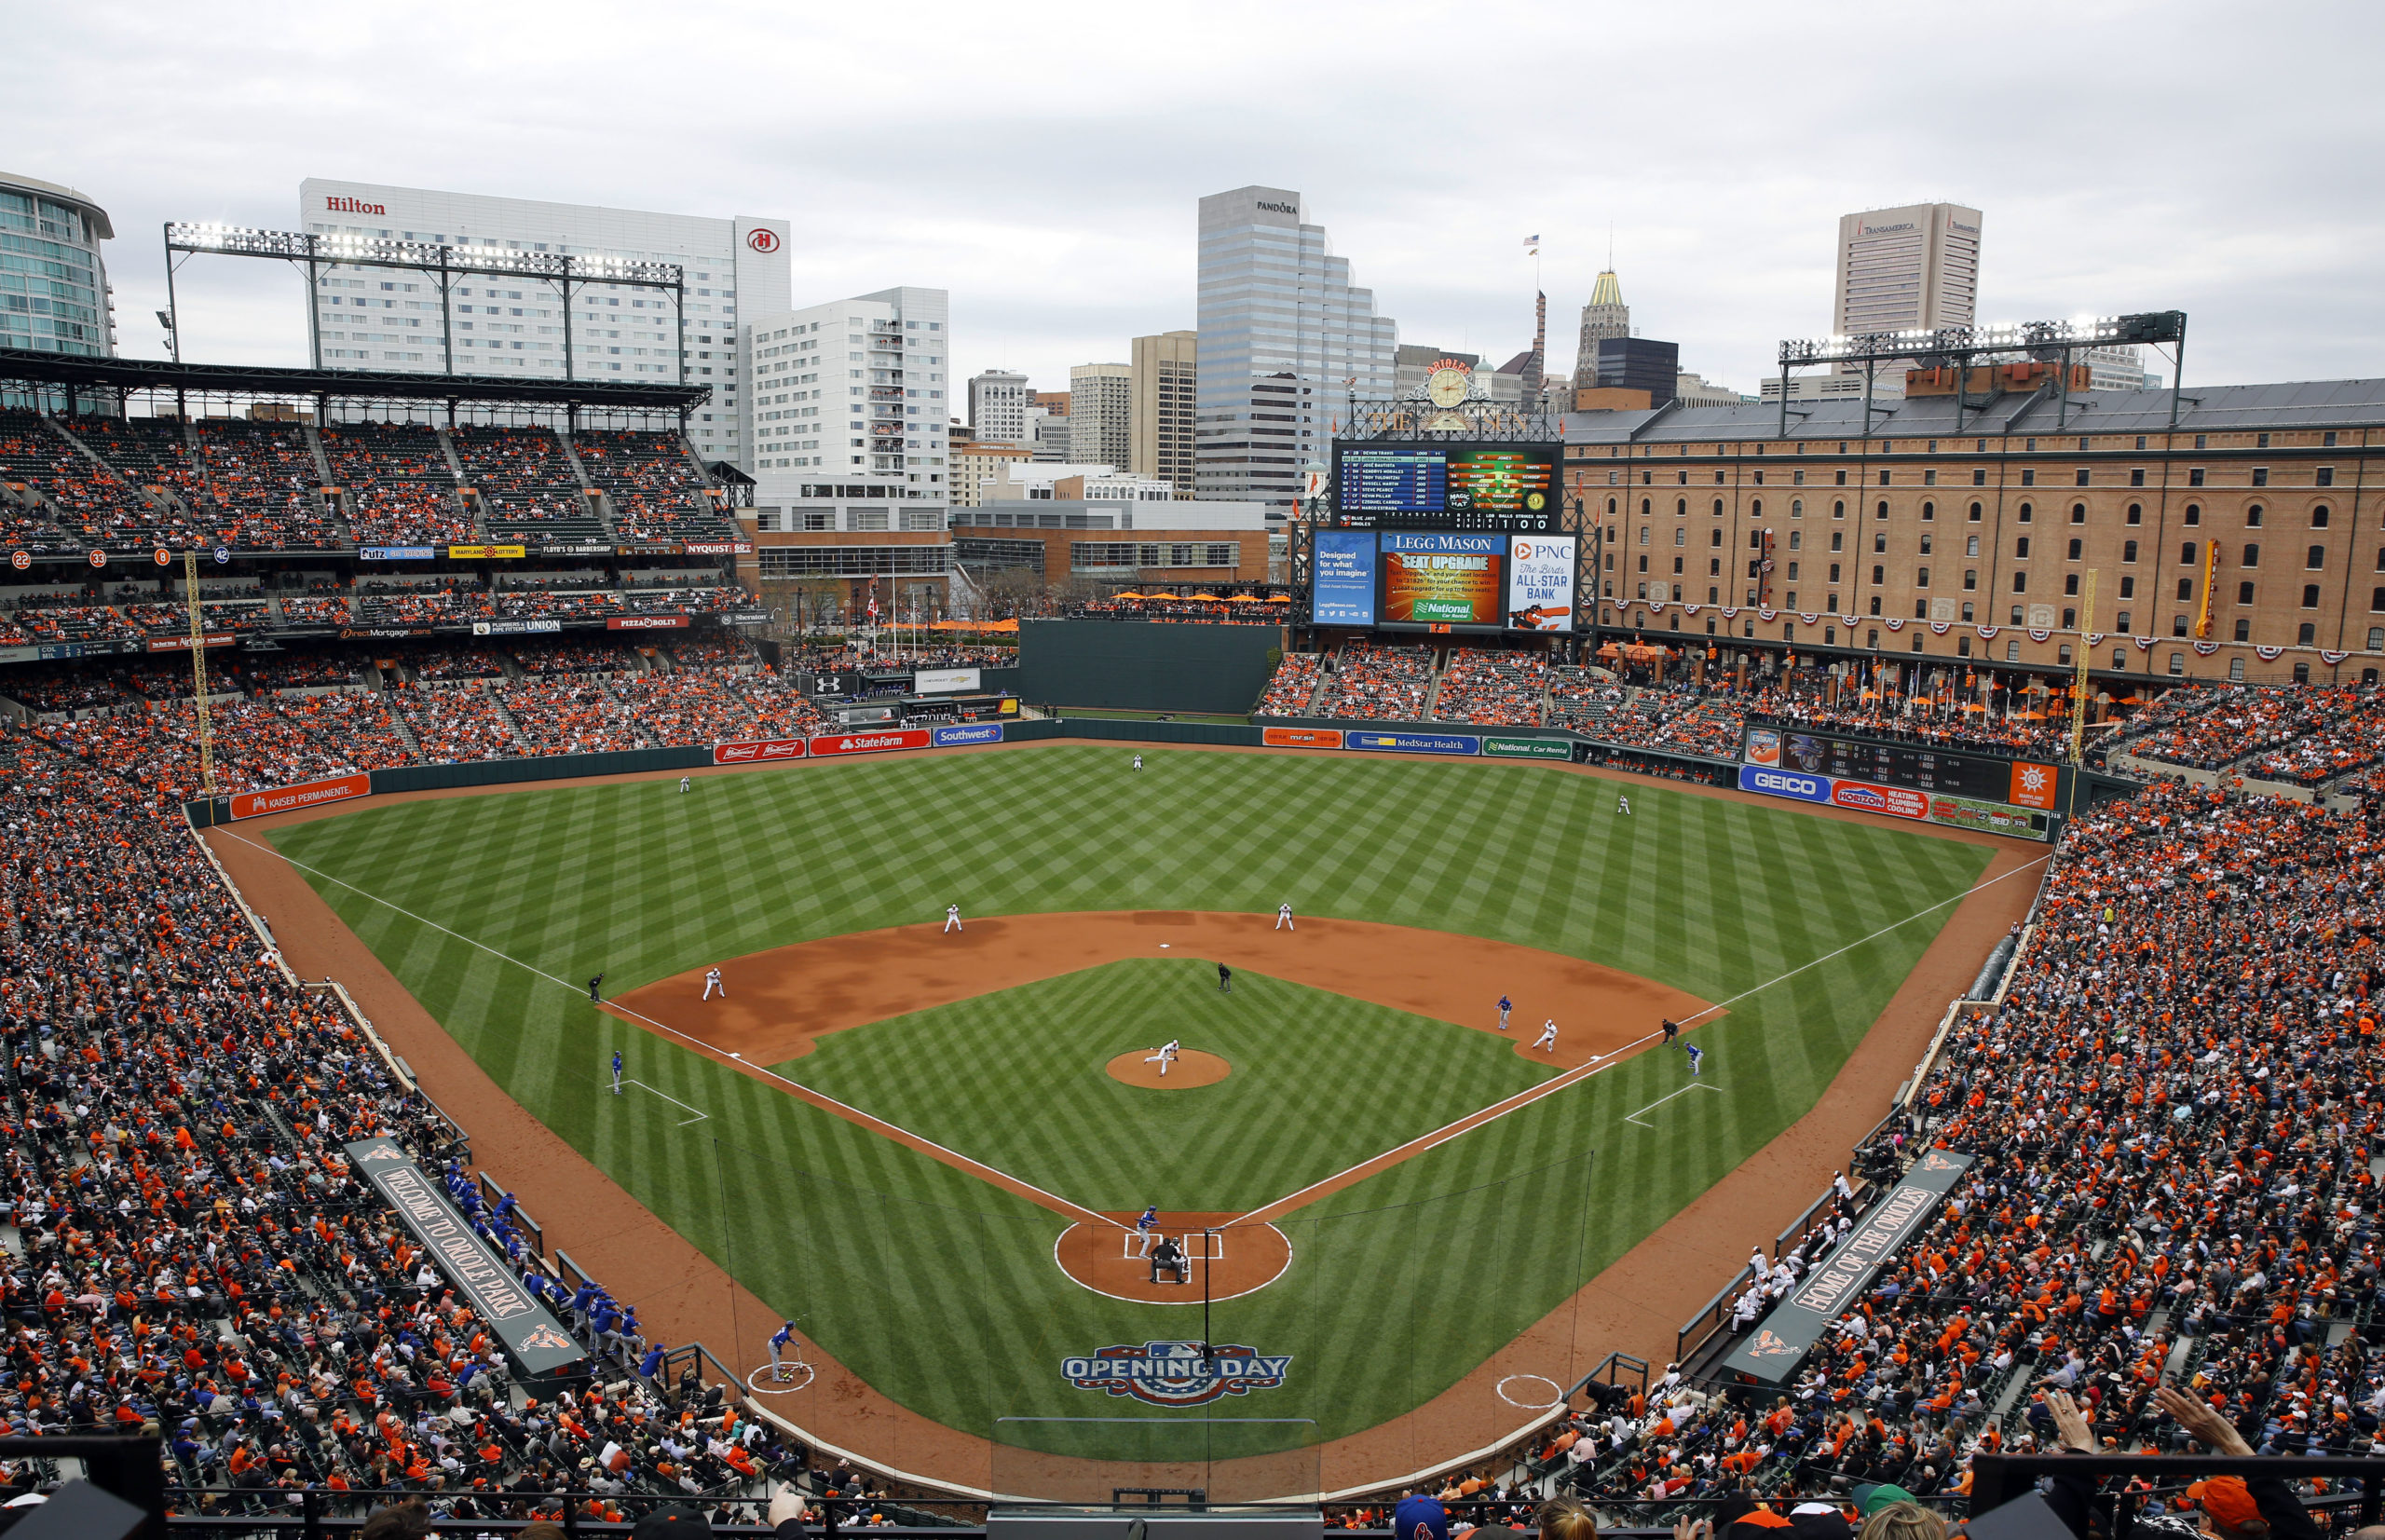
x=1547 y=1038
x=952 y=917
x=711 y=982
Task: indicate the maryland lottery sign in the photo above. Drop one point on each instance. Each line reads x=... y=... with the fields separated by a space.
x=1177 y=1375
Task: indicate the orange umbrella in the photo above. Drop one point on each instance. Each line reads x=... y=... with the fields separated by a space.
x=1131 y=595
x=1279 y=598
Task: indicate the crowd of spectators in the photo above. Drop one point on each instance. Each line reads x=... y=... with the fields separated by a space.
x=262 y=481
x=2232 y=723
x=399 y=487
x=1385 y=684
x=1245 y=609
x=2172 y=1113
x=1489 y=687
x=2352 y=741
x=1291 y=686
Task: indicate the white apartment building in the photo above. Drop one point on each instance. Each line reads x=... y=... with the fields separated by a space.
x=1011 y=481
x=851 y=402
x=997 y=404
x=383 y=319
x=1101 y=414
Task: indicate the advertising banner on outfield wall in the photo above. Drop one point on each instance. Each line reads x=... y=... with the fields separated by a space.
x=1414 y=743
x=646 y=622
x=1300 y=738
x=1961 y=812
x=256 y=804
x=1780 y=783
x=756 y=751
x=1528 y=748
x=534 y=1339
x=970 y=732
x=943 y=681
x=1839 y=1276
x=871 y=743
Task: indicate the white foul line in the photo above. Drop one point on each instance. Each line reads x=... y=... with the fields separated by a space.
x=667 y=1097
x=819 y=1098
x=1693 y=1086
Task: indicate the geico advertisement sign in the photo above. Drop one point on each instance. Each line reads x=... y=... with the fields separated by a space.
x=1780 y=783
x=757 y=750
x=1895 y=801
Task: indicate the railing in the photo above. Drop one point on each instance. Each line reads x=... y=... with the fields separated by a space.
x=1999 y=1479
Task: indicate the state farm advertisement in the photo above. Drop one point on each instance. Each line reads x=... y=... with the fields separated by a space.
x=756 y=751
x=1896 y=801
x=256 y=804
x=871 y=743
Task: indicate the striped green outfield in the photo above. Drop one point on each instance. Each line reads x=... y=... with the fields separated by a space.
x=941 y=1291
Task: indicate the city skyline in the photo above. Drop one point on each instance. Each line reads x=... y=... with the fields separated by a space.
x=1723 y=230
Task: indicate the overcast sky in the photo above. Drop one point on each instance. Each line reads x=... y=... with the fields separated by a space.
x=1042 y=162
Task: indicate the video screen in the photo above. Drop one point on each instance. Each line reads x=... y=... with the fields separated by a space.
x=1345 y=594
x=1450 y=579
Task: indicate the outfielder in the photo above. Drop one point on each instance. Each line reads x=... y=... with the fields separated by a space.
x=683 y=786
x=1138 y=761
x=711 y=982
x=1147 y=1228
x=1165 y=1056
x=616 y=1071
x=1623 y=805
x=1504 y=1006
x=1284 y=918
x=1547 y=1038
x=952 y=917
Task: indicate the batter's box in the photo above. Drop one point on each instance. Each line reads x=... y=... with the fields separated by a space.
x=1199 y=1245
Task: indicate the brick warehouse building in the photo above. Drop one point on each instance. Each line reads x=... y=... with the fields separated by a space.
x=2244 y=544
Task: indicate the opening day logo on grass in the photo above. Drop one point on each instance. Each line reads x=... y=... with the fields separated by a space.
x=1176 y=1375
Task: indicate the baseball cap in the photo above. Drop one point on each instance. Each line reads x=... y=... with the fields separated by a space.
x=1759 y=1518
x=1420 y=1518
x=2227 y=1499
x=676 y=1522
x=1872 y=1499
x=1820 y=1522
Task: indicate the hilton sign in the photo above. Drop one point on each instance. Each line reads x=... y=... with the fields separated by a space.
x=352 y=205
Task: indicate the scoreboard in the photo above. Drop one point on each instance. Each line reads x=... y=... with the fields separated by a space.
x=1918 y=765
x=1461 y=487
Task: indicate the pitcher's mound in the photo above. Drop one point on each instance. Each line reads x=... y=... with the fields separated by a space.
x=1191 y=1068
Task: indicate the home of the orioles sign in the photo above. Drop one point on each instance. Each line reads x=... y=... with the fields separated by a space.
x=1176 y=1375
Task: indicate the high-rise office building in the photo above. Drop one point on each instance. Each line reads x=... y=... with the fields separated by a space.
x=1640 y=363
x=1166 y=381
x=1605 y=316
x=1915 y=268
x=851 y=402
x=57 y=301
x=371 y=318
x=1286 y=345
x=998 y=402
x=1101 y=414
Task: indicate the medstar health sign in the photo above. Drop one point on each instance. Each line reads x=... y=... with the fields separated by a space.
x=1176 y=1375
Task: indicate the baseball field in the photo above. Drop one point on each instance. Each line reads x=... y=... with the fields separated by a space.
x=927 y=1148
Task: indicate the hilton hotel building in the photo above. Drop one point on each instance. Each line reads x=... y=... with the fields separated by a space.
x=2245 y=543
x=735 y=268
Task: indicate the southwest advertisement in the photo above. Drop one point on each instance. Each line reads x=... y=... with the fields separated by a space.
x=1540 y=582
x=1344 y=564
x=1443 y=579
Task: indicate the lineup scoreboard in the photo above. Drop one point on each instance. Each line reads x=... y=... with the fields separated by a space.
x=1461 y=487
x=1901 y=779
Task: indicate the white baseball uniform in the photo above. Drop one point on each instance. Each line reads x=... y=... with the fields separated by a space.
x=1165 y=1056
x=1284 y=918
x=952 y=917
x=1547 y=1038
x=711 y=982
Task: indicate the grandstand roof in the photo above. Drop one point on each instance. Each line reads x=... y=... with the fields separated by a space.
x=60 y=369
x=2211 y=409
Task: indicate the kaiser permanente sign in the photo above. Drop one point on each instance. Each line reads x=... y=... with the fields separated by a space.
x=1838 y=1280
x=537 y=1343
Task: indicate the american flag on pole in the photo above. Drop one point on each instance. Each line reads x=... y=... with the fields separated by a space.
x=1532 y=245
x=873 y=601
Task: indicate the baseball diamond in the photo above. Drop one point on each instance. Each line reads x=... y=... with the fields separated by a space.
x=913 y=1141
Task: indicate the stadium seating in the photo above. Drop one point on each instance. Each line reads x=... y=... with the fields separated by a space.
x=399 y=487
x=1377 y=684
x=529 y=493
x=1292 y=686
x=262 y=484
x=656 y=492
x=1489 y=688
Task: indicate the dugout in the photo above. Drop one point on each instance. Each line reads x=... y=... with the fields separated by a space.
x=1146 y=665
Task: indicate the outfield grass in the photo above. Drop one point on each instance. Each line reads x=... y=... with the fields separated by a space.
x=939 y=1290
